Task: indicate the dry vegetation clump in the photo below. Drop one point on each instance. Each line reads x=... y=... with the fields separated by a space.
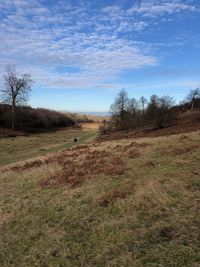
x=143 y=145
x=133 y=154
x=129 y=146
x=180 y=149
x=47 y=183
x=183 y=137
x=27 y=165
x=75 y=171
x=161 y=233
x=186 y=149
x=59 y=158
x=131 y=150
x=62 y=158
x=79 y=147
x=37 y=162
x=150 y=164
x=115 y=166
x=112 y=196
x=95 y=161
x=167 y=233
x=70 y=174
x=98 y=154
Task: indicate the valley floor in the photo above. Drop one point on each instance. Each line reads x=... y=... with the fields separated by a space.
x=122 y=203
x=26 y=147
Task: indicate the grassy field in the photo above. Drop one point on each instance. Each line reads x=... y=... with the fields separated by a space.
x=26 y=147
x=123 y=203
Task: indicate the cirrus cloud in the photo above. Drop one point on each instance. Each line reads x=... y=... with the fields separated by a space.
x=64 y=45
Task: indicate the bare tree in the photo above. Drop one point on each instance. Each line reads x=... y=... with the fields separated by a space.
x=133 y=105
x=17 y=90
x=160 y=112
x=143 y=102
x=119 y=108
x=193 y=95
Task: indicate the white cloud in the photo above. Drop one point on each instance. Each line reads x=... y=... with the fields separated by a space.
x=95 y=43
x=154 y=8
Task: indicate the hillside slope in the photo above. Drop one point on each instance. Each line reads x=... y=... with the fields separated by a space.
x=121 y=203
x=186 y=122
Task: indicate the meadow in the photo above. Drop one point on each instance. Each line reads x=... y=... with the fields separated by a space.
x=121 y=203
x=34 y=145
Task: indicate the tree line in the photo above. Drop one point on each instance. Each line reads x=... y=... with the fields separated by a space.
x=29 y=119
x=126 y=113
x=157 y=112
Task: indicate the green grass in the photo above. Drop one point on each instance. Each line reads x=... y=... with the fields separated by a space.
x=156 y=224
x=26 y=147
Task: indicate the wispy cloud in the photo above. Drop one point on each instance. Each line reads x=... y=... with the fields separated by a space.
x=154 y=8
x=92 y=46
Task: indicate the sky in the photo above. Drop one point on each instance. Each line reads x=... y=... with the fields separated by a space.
x=81 y=53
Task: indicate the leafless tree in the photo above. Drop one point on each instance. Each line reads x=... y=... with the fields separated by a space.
x=16 y=91
x=119 y=108
x=143 y=103
x=193 y=95
x=160 y=112
x=133 y=105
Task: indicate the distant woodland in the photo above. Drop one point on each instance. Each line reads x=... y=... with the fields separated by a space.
x=156 y=112
x=126 y=113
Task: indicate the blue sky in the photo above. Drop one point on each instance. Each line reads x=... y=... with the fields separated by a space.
x=80 y=53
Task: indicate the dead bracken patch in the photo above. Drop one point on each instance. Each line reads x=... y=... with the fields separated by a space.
x=143 y=145
x=112 y=196
x=133 y=154
x=27 y=165
x=129 y=146
x=47 y=183
x=184 y=149
x=109 y=198
x=115 y=166
x=129 y=150
x=79 y=147
x=74 y=172
x=150 y=164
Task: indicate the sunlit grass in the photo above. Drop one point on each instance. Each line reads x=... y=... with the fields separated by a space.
x=152 y=220
x=26 y=147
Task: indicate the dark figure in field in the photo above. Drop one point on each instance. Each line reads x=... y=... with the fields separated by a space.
x=75 y=140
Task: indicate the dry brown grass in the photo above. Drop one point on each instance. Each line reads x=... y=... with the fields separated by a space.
x=94 y=206
x=76 y=170
x=91 y=126
x=27 y=165
x=180 y=149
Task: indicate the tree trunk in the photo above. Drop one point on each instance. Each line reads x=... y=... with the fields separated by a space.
x=13 y=117
x=192 y=105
